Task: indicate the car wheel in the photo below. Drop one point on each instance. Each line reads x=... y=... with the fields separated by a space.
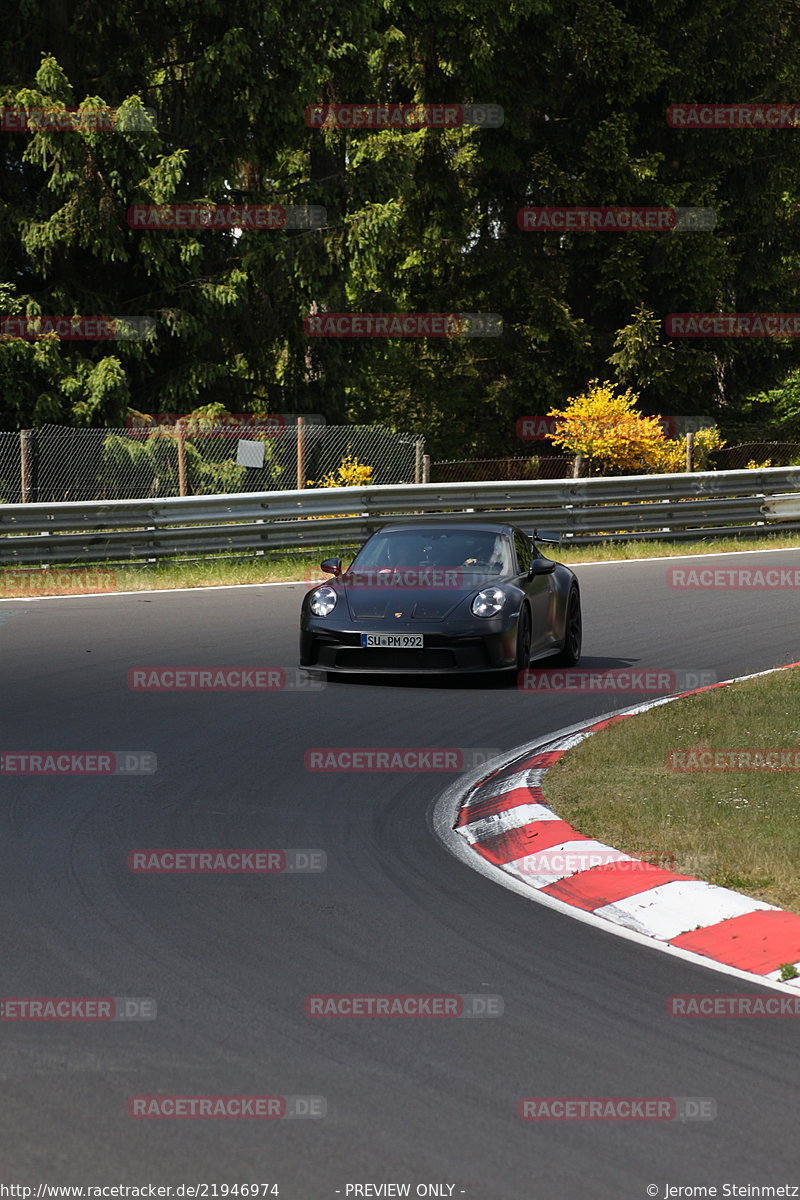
x=523 y=639
x=573 y=632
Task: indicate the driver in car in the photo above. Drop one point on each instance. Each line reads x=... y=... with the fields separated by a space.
x=494 y=559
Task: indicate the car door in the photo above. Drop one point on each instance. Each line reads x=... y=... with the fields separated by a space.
x=540 y=592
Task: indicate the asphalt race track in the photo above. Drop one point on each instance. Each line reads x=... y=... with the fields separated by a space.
x=229 y=959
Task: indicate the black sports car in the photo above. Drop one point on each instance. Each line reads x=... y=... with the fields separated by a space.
x=443 y=597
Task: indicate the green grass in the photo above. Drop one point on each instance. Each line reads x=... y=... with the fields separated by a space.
x=739 y=829
x=277 y=566
x=611 y=551
x=211 y=572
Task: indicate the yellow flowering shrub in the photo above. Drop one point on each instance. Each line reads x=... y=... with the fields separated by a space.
x=604 y=426
x=349 y=473
x=671 y=457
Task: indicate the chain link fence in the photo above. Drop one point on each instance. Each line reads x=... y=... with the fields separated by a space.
x=56 y=462
x=776 y=454
x=475 y=470
x=11 y=482
x=558 y=466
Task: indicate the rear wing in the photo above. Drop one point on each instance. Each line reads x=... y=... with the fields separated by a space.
x=550 y=538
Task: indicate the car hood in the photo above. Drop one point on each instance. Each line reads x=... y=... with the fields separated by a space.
x=422 y=603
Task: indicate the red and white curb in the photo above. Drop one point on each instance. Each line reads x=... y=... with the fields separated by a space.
x=502 y=824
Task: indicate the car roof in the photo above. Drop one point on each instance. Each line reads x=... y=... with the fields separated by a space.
x=446 y=526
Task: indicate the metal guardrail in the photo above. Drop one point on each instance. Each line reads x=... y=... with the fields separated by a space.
x=584 y=510
x=782 y=508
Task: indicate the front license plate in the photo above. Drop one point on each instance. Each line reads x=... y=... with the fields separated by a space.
x=395 y=641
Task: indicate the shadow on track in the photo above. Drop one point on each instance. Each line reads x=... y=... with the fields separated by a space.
x=478 y=682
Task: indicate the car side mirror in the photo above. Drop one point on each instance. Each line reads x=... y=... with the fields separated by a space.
x=541 y=566
x=332 y=566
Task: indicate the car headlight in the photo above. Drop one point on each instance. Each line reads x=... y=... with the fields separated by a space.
x=323 y=601
x=488 y=602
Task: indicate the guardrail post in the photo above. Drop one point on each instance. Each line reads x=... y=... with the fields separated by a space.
x=690 y=452
x=25 y=464
x=577 y=466
x=301 y=453
x=181 y=456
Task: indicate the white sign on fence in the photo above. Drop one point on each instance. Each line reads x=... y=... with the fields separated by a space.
x=249 y=454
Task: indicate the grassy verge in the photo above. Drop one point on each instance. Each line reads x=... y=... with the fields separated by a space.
x=300 y=565
x=210 y=572
x=612 y=551
x=739 y=829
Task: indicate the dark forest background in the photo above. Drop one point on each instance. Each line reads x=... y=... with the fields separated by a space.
x=416 y=221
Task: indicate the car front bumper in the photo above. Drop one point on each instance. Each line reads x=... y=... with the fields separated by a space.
x=340 y=650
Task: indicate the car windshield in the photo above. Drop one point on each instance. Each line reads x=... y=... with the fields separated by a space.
x=480 y=550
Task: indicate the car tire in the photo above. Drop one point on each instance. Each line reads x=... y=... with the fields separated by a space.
x=570 y=652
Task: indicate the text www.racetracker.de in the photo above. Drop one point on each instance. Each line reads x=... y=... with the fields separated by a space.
x=23 y=1191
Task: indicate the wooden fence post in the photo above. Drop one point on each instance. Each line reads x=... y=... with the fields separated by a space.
x=25 y=465
x=181 y=456
x=301 y=453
